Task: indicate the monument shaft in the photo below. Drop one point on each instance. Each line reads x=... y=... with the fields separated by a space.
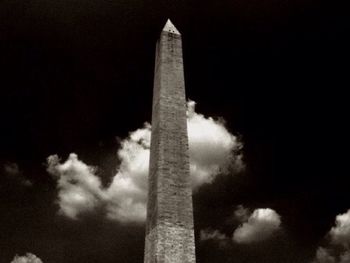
x=169 y=227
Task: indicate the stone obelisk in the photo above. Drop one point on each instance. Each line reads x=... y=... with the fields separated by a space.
x=169 y=226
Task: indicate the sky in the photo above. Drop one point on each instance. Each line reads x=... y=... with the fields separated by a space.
x=267 y=116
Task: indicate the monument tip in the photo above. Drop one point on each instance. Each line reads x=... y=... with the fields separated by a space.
x=169 y=27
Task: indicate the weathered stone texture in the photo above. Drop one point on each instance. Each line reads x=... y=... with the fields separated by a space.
x=169 y=227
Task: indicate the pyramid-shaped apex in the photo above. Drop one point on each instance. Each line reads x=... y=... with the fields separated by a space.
x=169 y=27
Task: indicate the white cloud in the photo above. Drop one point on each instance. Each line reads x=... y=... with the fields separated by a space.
x=213 y=149
x=340 y=233
x=128 y=191
x=261 y=225
x=79 y=189
x=28 y=258
x=209 y=234
x=257 y=226
x=338 y=249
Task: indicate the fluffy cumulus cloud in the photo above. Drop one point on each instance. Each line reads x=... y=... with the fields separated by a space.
x=79 y=189
x=340 y=233
x=260 y=225
x=128 y=191
x=257 y=226
x=28 y=258
x=213 y=150
x=338 y=249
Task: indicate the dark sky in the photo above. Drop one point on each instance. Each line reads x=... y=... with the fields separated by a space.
x=74 y=75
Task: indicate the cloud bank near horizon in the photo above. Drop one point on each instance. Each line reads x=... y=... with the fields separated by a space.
x=213 y=150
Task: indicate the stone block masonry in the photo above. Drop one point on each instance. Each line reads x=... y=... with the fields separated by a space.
x=169 y=226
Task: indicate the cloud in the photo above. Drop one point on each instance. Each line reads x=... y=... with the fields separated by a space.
x=11 y=168
x=128 y=191
x=340 y=233
x=323 y=256
x=14 y=173
x=79 y=189
x=261 y=225
x=331 y=255
x=345 y=257
x=213 y=150
x=241 y=213
x=28 y=258
x=209 y=234
x=257 y=226
x=338 y=250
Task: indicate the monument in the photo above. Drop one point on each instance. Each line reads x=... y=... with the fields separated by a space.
x=169 y=226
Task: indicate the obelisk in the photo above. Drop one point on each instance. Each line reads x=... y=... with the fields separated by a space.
x=169 y=226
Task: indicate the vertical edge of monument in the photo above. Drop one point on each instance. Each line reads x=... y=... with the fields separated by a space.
x=169 y=226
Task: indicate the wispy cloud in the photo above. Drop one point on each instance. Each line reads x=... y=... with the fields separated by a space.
x=14 y=173
x=11 y=168
x=241 y=213
x=213 y=150
x=210 y=234
x=323 y=255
